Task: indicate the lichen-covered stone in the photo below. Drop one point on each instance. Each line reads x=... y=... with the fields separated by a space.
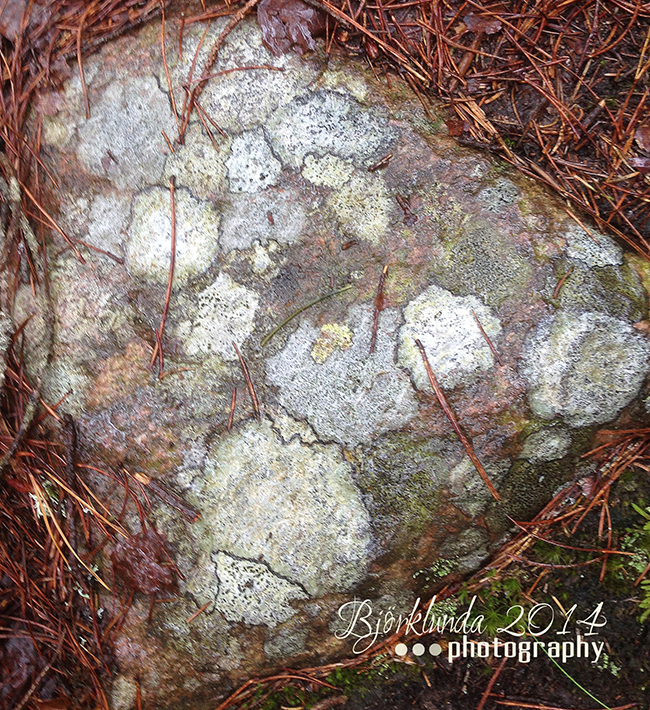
x=352 y=482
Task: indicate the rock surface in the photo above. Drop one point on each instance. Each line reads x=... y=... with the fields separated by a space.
x=352 y=482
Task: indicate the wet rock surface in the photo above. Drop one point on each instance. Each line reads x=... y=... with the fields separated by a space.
x=352 y=481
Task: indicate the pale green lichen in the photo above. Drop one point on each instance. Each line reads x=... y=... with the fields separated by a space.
x=363 y=207
x=584 y=368
x=329 y=170
x=292 y=507
x=149 y=248
x=332 y=337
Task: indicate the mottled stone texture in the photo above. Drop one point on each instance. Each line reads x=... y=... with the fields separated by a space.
x=352 y=482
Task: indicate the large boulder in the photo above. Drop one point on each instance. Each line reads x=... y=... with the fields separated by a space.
x=352 y=482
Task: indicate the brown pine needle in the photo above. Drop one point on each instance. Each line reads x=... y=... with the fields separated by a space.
x=249 y=383
x=158 y=351
x=450 y=415
x=560 y=283
x=233 y=402
x=191 y=618
x=379 y=306
x=487 y=339
x=490 y=685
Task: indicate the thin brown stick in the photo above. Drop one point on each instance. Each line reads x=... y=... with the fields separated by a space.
x=450 y=415
x=158 y=349
x=490 y=685
x=487 y=339
x=233 y=402
x=249 y=382
x=560 y=283
x=191 y=618
x=379 y=306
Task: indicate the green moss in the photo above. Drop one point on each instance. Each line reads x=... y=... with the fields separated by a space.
x=400 y=479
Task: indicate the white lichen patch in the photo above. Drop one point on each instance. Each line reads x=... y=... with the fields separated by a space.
x=100 y=220
x=251 y=165
x=240 y=100
x=363 y=207
x=291 y=506
x=250 y=592
x=198 y=165
x=499 y=196
x=126 y=123
x=332 y=337
x=352 y=396
x=328 y=122
x=547 y=445
x=274 y=214
x=584 y=368
x=149 y=247
x=224 y=312
x=453 y=341
x=595 y=249
x=329 y=170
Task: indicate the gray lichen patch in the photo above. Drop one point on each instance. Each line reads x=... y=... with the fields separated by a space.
x=292 y=506
x=149 y=247
x=199 y=164
x=500 y=196
x=220 y=314
x=548 y=444
x=249 y=592
x=251 y=165
x=453 y=341
x=594 y=249
x=126 y=122
x=351 y=396
x=274 y=214
x=328 y=122
x=363 y=207
x=483 y=261
x=584 y=368
x=241 y=100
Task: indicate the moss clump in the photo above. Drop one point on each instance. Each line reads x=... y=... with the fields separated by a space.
x=400 y=479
